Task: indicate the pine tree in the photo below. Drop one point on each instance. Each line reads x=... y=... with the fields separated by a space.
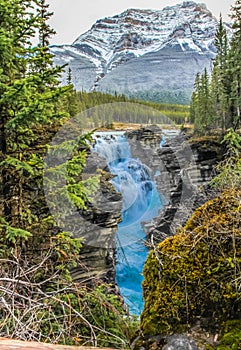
x=220 y=81
x=45 y=31
x=45 y=34
x=217 y=103
x=69 y=77
x=201 y=106
x=235 y=66
x=29 y=96
x=221 y=44
x=206 y=109
x=72 y=100
x=195 y=106
x=16 y=30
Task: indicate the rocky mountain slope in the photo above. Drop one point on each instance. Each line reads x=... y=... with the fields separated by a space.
x=148 y=54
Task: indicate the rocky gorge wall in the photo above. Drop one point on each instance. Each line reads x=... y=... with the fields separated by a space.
x=100 y=220
x=181 y=170
x=181 y=167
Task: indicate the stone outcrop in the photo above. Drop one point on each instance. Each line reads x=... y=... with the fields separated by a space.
x=181 y=167
x=145 y=140
x=99 y=227
x=186 y=167
x=196 y=339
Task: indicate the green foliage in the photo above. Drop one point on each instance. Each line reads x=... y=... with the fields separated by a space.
x=229 y=170
x=159 y=96
x=39 y=300
x=231 y=336
x=201 y=104
x=104 y=309
x=66 y=247
x=196 y=273
x=17 y=164
x=11 y=235
x=233 y=141
x=219 y=105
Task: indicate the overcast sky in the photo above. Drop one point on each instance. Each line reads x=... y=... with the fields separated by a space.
x=73 y=17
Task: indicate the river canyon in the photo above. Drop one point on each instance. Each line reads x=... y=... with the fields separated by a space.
x=141 y=202
x=158 y=174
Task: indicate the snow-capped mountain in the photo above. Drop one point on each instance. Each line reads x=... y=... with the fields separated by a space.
x=144 y=53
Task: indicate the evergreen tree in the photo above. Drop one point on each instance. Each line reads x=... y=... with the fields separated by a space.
x=220 y=81
x=45 y=31
x=201 y=106
x=235 y=66
x=221 y=44
x=205 y=103
x=29 y=99
x=71 y=101
x=44 y=58
x=195 y=107
x=16 y=30
x=69 y=77
x=219 y=103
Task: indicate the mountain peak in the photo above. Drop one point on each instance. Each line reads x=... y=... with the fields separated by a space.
x=138 y=31
x=111 y=42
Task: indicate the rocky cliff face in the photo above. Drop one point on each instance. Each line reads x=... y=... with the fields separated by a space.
x=99 y=229
x=144 y=143
x=187 y=168
x=144 y=53
x=181 y=169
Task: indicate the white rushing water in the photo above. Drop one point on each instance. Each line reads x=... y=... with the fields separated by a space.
x=141 y=203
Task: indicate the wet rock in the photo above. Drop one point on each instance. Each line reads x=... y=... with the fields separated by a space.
x=180 y=342
x=100 y=220
x=182 y=169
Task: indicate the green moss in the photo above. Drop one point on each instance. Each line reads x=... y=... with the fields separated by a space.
x=209 y=347
x=231 y=338
x=192 y=274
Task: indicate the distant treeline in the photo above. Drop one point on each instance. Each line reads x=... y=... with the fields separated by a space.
x=120 y=109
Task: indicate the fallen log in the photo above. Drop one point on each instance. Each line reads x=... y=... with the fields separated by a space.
x=11 y=344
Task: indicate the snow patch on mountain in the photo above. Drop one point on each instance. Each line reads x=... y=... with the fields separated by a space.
x=138 y=32
x=113 y=41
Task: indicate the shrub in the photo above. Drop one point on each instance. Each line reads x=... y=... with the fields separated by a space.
x=196 y=273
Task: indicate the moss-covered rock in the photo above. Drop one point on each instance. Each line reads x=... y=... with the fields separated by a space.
x=196 y=273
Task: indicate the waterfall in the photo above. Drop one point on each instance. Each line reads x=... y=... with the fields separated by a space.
x=141 y=203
